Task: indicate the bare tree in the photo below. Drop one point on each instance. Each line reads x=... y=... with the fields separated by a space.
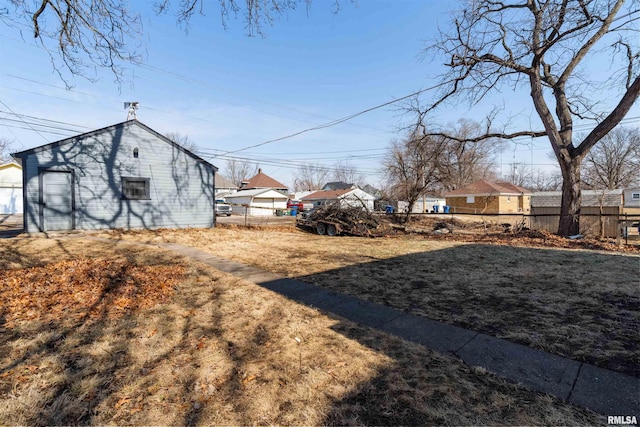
x=545 y=181
x=615 y=161
x=412 y=167
x=545 y=46
x=467 y=160
x=184 y=141
x=5 y=147
x=310 y=177
x=524 y=176
x=237 y=171
x=346 y=172
x=518 y=174
x=81 y=35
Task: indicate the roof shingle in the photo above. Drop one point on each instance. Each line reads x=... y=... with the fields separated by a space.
x=262 y=180
x=483 y=186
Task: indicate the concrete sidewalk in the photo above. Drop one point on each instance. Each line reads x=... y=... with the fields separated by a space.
x=601 y=390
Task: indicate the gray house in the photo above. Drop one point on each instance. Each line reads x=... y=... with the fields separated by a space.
x=122 y=176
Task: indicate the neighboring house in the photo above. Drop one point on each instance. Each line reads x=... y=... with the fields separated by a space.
x=263 y=181
x=424 y=204
x=631 y=198
x=338 y=185
x=372 y=190
x=346 y=197
x=10 y=188
x=298 y=195
x=122 y=176
x=224 y=187
x=258 y=202
x=489 y=197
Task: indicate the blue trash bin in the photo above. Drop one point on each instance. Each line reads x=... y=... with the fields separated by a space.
x=294 y=211
x=435 y=208
x=445 y=209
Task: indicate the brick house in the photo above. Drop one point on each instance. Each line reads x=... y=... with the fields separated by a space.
x=489 y=197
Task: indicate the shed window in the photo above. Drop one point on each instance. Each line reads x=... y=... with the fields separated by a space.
x=135 y=188
x=471 y=199
x=635 y=196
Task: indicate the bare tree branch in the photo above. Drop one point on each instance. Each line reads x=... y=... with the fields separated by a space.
x=544 y=46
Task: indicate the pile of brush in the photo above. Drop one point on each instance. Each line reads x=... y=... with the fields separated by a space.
x=355 y=220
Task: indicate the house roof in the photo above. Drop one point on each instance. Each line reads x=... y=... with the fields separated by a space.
x=10 y=164
x=327 y=194
x=222 y=182
x=262 y=180
x=482 y=187
x=128 y=123
x=338 y=185
x=546 y=199
x=339 y=194
x=264 y=192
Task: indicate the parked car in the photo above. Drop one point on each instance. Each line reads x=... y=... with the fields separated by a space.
x=223 y=208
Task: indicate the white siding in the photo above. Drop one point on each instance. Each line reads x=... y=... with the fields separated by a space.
x=629 y=200
x=10 y=189
x=261 y=202
x=181 y=188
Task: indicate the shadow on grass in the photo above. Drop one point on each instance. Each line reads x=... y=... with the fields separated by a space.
x=423 y=388
x=582 y=305
x=416 y=388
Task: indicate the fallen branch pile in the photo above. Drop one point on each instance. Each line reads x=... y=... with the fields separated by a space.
x=352 y=219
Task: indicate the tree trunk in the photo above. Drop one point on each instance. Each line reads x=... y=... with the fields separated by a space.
x=571 y=198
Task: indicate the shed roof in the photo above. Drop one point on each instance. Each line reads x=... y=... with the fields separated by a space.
x=128 y=123
x=483 y=186
x=10 y=164
x=263 y=192
x=547 y=199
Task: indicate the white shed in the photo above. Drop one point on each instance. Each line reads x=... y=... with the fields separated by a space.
x=258 y=202
x=425 y=204
x=10 y=188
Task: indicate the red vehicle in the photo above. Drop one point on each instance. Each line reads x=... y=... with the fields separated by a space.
x=295 y=204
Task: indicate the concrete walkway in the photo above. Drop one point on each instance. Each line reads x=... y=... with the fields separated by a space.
x=601 y=390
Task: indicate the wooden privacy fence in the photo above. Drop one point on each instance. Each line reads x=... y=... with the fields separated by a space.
x=594 y=220
x=606 y=222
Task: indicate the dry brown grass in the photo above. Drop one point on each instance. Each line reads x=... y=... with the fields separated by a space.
x=577 y=303
x=223 y=351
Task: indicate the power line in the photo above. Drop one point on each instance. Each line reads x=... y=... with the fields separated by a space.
x=336 y=122
x=14 y=113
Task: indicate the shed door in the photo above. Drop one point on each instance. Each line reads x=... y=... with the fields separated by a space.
x=56 y=201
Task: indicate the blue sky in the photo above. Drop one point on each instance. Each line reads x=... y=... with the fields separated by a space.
x=228 y=91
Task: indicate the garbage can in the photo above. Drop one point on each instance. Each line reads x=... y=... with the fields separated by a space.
x=294 y=211
x=278 y=212
x=435 y=208
x=388 y=209
x=445 y=209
